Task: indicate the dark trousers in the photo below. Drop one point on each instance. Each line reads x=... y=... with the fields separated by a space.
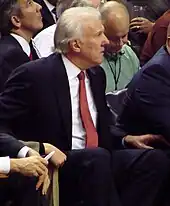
x=86 y=179
x=20 y=191
x=124 y=178
x=141 y=177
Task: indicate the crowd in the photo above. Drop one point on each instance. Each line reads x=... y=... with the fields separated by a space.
x=63 y=65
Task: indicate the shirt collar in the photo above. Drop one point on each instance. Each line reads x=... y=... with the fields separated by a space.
x=49 y=6
x=24 y=44
x=71 y=69
x=114 y=56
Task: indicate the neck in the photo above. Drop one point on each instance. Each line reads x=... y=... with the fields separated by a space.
x=81 y=64
x=26 y=35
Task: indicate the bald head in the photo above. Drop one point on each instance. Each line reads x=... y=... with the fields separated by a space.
x=115 y=19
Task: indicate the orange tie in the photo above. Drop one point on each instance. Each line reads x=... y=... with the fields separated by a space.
x=91 y=133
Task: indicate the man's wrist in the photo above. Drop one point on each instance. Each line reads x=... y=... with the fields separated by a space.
x=14 y=165
x=48 y=148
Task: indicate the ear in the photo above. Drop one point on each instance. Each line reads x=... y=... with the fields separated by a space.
x=75 y=45
x=16 y=21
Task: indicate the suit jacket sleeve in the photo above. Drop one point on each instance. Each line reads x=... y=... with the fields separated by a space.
x=115 y=132
x=13 y=102
x=152 y=96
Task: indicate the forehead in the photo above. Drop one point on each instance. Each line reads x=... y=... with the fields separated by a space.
x=117 y=26
x=23 y=2
x=93 y=26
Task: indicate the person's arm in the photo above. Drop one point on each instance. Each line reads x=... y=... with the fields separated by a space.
x=14 y=103
x=153 y=100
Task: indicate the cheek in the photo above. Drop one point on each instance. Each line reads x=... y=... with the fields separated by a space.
x=125 y=40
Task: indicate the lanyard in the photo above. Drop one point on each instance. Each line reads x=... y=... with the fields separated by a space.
x=114 y=73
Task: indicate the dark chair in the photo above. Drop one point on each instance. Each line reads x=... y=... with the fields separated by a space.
x=115 y=102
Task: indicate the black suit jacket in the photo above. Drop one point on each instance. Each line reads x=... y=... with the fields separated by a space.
x=48 y=19
x=36 y=104
x=147 y=104
x=11 y=56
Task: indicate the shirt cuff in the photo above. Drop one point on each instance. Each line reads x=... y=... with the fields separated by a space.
x=4 y=165
x=22 y=153
x=123 y=143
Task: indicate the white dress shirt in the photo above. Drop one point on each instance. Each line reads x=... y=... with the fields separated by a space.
x=5 y=161
x=78 y=132
x=50 y=8
x=44 y=41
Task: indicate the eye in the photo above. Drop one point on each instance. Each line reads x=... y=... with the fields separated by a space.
x=30 y=2
x=100 y=33
x=124 y=36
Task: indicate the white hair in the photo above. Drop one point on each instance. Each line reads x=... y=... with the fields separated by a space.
x=62 y=5
x=70 y=26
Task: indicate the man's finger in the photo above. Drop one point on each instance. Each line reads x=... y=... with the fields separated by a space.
x=138 y=19
x=39 y=170
x=43 y=167
x=136 y=24
x=143 y=146
x=46 y=185
x=39 y=183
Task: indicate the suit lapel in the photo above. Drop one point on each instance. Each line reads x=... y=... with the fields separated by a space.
x=94 y=87
x=11 y=40
x=62 y=93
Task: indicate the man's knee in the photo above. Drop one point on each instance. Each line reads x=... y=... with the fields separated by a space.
x=158 y=161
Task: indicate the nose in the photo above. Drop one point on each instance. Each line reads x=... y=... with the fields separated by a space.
x=38 y=6
x=105 y=39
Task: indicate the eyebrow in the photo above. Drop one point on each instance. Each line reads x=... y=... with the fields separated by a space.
x=99 y=31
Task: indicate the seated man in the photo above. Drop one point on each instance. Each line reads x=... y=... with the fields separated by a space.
x=19 y=21
x=120 y=62
x=146 y=107
x=61 y=100
x=44 y=40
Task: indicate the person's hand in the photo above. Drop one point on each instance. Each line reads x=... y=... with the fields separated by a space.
x=29 y=166
x=58 y=157
x=141 y=25
x=144 y=141
x=32 y=152
x=44 y=180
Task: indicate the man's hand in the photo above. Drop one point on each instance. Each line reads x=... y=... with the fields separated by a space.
x=141 y=25
x=29 y=166
x=144 y=141
x=58 y=157
x=32 y=152
x=44 y=180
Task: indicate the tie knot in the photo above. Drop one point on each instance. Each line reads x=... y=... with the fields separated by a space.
x=54 y=10
x=81 y=76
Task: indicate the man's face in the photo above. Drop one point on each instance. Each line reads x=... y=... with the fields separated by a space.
x=117 y=33
x=93 y=42
x=30 y=19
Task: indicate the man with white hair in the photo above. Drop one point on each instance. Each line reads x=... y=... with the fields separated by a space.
x=47 y=108
x=61 y=100
x=44 y=41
